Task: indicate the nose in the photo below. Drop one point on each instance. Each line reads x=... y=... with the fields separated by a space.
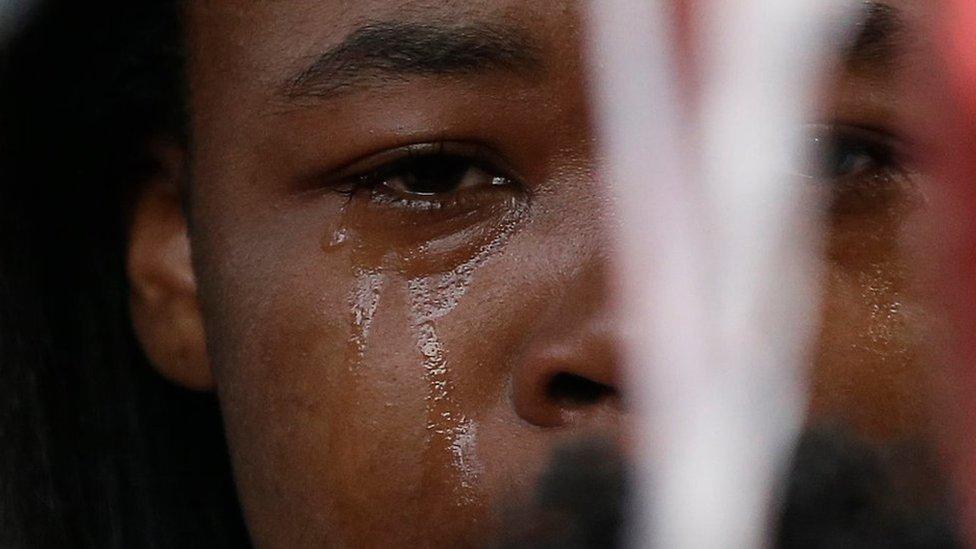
x=569 y=375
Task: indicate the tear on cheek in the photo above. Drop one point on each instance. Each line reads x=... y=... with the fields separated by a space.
x=437 y=253
x=419 y=244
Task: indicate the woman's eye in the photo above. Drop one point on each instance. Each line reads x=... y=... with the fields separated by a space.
x=863 y=171
x=435 y=175
x=849 y=158
x=840 y=153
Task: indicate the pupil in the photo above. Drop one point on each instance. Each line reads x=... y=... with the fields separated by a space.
x=434 y=175
x=848 y=157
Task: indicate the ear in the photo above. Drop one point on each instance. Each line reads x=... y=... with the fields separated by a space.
x=163 y=291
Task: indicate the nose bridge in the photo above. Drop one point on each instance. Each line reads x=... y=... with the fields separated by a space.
x=568 y=374
x=589 y=291
x=586 y=321
x=586 y=291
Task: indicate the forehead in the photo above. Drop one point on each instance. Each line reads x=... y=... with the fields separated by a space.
x=286 y=30
x=261 y=38
x=248 y=49
x=339 y=14
x=324 y=19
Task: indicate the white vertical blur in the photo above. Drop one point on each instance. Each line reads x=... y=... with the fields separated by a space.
x=661 y=242
x=764 y=65
x=717 y=249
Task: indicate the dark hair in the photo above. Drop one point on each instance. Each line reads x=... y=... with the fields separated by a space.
x=98 y=450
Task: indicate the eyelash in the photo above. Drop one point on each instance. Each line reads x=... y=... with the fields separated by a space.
x=455 y=159
x=865 y=171
x=880 y=164
x=829 y=142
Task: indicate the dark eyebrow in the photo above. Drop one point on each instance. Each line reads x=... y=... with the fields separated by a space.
x=879 y=40
x=380 y=52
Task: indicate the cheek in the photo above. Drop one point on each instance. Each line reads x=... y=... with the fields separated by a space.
x=872 y=372
x=355 y=399
x=364 y=403
x=316 y=436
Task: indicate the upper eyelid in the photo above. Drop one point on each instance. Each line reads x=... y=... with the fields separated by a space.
x=389 y=160
x=396 y=166
x=894 y=142
x=345 y=178
x=878 y=140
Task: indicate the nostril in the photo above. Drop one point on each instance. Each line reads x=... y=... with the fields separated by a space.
x=573 y=391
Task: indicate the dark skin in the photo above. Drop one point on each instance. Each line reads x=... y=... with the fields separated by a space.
x=873 y=364
x=395 y=274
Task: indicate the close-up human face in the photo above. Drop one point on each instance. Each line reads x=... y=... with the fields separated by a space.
x=401 y=246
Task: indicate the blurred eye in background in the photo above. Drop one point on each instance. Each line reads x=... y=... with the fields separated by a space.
x=864 y=169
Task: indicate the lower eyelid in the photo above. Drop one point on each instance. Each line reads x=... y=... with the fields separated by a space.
x=883 y=192
x=454 y=204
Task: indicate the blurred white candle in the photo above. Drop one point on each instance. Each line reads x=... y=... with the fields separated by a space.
x=716 y=251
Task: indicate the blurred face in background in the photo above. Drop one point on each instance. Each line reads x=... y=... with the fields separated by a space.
x=400 y=251
x=872 y=369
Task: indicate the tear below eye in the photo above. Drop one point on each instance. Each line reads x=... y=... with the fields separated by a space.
x=438 y=175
